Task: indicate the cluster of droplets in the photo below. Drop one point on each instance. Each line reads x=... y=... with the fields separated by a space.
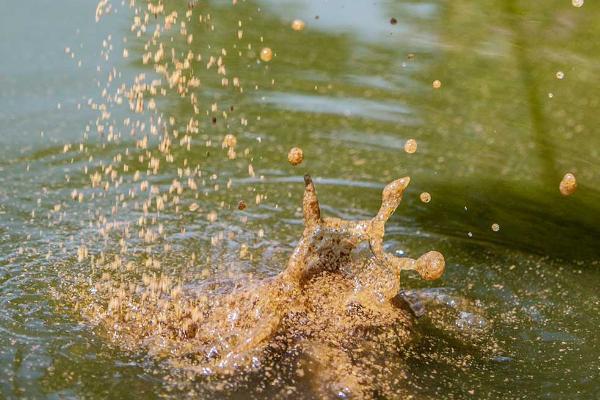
x=154 y=171
x=146 y=142
x=144 y=161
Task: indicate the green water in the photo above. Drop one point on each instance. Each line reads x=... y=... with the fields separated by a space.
x=494 y=142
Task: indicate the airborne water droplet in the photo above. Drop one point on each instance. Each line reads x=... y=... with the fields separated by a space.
x=298 y=25
x=568 y=185
x=410 y=146
x=266 y=54
x=295 y=156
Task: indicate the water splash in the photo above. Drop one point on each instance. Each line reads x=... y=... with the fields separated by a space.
x=334 y=305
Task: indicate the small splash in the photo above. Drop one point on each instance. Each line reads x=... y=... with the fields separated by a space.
x=308 y=317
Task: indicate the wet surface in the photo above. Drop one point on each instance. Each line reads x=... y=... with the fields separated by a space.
x=515 y=314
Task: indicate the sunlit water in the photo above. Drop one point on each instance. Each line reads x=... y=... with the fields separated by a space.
x=493 y=144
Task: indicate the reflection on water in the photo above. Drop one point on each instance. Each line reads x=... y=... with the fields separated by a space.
x=350 y=89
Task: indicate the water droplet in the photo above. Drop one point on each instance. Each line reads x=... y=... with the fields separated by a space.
x=568 y=185
x=298 y=25
x=495 y=227
x=410 y=146
x=212 y=216
x=577 y=3
x=266 y=54
x=229 y=141
x=425 y=197
x=295 y=156
x=82 y=253
x=560 y=75
x=437 y=84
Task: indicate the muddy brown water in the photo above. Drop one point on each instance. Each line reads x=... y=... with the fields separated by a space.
x=514 y=316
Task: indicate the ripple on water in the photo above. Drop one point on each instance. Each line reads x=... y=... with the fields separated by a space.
x=341 y=106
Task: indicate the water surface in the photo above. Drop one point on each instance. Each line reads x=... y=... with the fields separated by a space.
x=493 y=143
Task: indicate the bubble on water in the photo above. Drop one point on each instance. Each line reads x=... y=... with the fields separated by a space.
x=495 y=227
x=298 y=25
x=560 y=75
x=425 y=197
x=568 y=185
x=295 y=156
x=437 y=84
x=577 y=3
x=410 y=146
x=266 y=54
